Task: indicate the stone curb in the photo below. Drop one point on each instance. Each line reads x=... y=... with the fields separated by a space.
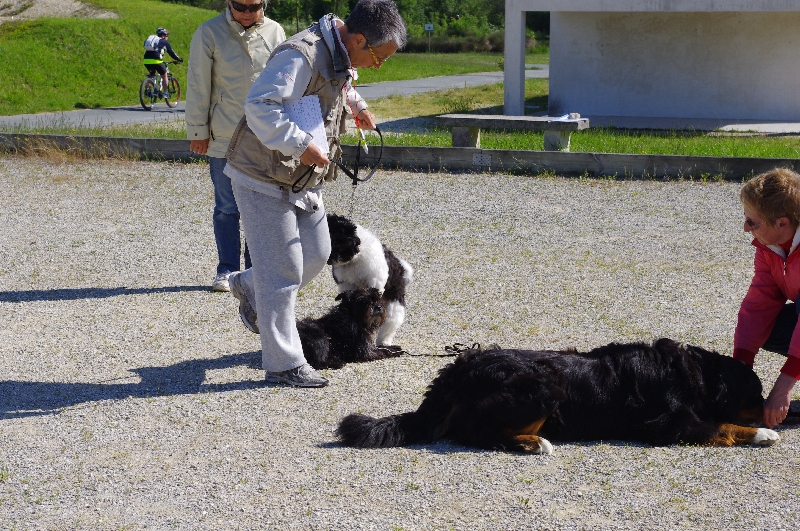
x=619 y=166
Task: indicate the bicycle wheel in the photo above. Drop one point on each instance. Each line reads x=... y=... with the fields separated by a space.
x=147 y=92
x=174 y=89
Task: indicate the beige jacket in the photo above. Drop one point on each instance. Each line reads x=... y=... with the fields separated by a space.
x=224 y=60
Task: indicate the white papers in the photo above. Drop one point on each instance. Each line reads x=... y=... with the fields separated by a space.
x=569 y=118
x=307 y=114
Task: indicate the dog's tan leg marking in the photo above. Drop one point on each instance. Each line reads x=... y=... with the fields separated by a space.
x=750 y=416
x=527 y=439
x=731 y=434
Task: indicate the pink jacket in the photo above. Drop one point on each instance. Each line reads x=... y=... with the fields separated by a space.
x=775 y=280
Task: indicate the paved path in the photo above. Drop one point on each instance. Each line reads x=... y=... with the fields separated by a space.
x=136 y=115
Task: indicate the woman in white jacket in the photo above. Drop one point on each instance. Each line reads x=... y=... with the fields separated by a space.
x=226 y=56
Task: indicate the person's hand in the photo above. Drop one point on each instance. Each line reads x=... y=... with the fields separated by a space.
x=777 y=405
x=366 y=120
x=314 y=155
x=199 y=146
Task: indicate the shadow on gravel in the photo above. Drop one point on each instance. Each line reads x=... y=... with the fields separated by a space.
x=26 y=399
x=71 y=294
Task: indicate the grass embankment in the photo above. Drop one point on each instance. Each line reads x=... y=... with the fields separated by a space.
x=59 y=64
x=62 y=64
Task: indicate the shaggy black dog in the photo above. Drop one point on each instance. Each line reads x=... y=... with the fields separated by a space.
x=660 y=394
x=360 y=260
x=346 y=333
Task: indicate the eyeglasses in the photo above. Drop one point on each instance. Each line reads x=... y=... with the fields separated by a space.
x=378 y=60
x=752 y=224
x=241 y=8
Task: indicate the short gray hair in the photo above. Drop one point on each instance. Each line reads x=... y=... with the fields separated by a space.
x=378 y=21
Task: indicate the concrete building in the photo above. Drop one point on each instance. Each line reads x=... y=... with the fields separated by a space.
x=724 y=60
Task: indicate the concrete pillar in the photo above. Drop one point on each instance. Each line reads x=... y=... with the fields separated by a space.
x=556 y=140
x=514 y=71
x=467 y=137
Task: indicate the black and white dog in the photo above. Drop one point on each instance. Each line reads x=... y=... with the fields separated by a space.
x=360 y=260
x=346 y=334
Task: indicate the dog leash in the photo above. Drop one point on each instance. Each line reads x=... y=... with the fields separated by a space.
x=353 y=175
x=456 y=349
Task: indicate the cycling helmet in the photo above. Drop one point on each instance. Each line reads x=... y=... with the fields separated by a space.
x=162 y=32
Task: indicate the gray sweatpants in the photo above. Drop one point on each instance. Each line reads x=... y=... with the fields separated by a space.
x=288 y=248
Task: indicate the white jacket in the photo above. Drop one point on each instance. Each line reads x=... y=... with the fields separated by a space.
x=224 y=60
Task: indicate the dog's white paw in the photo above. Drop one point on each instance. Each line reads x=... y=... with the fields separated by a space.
x=545 y=448
x=765 y=437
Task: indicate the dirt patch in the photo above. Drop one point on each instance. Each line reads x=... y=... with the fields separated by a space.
x=32 y=9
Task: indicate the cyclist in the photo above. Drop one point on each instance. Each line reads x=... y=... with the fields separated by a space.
x=154 y=47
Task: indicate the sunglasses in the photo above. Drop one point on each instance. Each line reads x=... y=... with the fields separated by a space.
x=241 y=8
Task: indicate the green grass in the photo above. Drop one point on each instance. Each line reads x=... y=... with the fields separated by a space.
x=402 y=66
x=65 y=64
x=618 y=141
x=56 y=64
x=485 y=99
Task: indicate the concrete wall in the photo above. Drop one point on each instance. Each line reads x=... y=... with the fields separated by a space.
x=654 y=5
x=702 y=64
x=723 y=59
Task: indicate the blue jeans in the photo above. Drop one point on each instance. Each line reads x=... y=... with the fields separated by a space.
x=226 y=221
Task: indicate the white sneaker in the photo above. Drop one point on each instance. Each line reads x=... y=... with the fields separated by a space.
x=221 y=283
x=302 y=376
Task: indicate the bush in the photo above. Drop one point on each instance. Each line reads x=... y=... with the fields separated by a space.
x=494 y=42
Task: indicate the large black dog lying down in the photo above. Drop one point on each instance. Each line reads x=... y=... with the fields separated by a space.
x=347 y=332
x=660 y=394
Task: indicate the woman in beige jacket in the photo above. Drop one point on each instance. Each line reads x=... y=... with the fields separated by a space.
x=226 y=56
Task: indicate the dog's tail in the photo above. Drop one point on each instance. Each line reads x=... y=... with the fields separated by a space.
x=363 y=431
x=414 y=427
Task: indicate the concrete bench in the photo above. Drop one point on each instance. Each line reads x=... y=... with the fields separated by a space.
x=467 y=127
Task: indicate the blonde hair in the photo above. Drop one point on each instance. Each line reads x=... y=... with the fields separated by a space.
x=774 y=194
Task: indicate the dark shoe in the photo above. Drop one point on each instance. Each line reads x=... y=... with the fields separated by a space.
x=246 y=311
x=302 y=376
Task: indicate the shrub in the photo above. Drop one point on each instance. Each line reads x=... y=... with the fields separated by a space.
x=494 y=42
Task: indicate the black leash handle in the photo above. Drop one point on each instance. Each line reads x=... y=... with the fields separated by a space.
x=354 y=174
x=308 y=174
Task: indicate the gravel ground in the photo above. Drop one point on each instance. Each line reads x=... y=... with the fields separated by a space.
x=131 y=397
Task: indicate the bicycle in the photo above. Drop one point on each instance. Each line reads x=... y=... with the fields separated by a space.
x=150 y=89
